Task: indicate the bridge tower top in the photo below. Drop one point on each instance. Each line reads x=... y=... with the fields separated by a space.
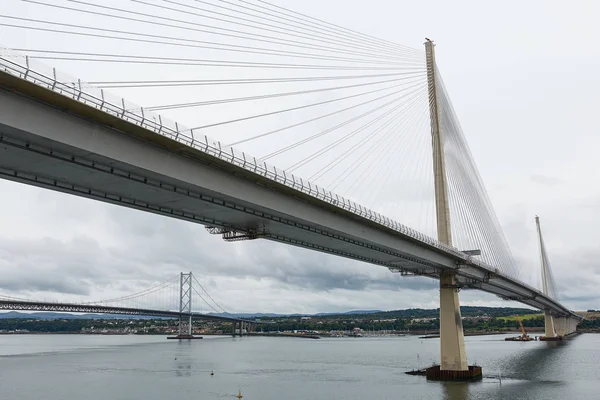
x=185 y=292
x=442 y=206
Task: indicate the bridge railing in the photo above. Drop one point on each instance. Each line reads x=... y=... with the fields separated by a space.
x=22 y=66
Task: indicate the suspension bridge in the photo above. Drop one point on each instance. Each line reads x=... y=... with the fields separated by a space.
x=353 y=119
x=171 y=299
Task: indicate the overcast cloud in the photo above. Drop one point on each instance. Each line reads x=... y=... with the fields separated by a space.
x=524 y=83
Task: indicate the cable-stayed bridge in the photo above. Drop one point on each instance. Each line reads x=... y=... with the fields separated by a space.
x=181 y=297
x=353 y=119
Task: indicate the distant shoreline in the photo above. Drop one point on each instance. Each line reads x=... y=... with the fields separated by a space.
x=425 y=334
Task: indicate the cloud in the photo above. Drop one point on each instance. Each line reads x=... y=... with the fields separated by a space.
x=62 y=247
x=545 y=180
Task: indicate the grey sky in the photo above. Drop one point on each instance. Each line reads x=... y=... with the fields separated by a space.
x=522 y=77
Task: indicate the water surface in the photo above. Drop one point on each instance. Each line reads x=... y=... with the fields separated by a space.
x=88 y=367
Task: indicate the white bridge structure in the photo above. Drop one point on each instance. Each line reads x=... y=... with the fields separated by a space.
x=66 y=135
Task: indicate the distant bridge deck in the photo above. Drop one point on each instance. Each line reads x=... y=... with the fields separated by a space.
x=60 y=138
x=19 y=305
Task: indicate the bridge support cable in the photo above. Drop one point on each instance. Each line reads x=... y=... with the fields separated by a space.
x=211 y=82
x=207 y=298
x=476 y=223
x=176 y=41
x=244 y=42
x=409 y=106
x=162 y=296
x=266 y=96
x=375 y=154
x=548 y=282
x=307 y=30
x=404 y=194
x=337 y=112
x=396 y=112
x=554 y=328
x=183 y=61
x=124 y=14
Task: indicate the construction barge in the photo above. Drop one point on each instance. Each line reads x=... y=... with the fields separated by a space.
x=524 y=336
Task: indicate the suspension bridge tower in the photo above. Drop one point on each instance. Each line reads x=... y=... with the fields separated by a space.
x=453 y=357
x=185 y=307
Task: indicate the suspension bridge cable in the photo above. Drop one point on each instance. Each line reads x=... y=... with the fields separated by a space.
x=343 y=139
x=397 y=150
x=130 y=60
x=338 y=27
x=17 y=298
x=260 y=38
x=312 y=119
x=482 y=218
x=210 y=82
x=326 y=131
x=332 y=164
x=473 y=211
x=190 y=43
x=336 y=143
x=206 y=302
x=376 y=156
x=324 y=30
x=266 y=96
x=267 y=27
x=136 y=59
x=286 y=25
x=144 y=292
x=209 y=296
x=335 y=162
x=292 y=108
x=410 y=157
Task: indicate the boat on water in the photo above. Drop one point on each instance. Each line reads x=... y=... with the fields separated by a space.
x=524 y=336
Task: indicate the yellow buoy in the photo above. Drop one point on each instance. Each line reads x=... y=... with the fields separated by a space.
x=239 y=396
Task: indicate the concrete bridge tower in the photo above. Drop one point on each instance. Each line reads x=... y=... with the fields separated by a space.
x=453 y=357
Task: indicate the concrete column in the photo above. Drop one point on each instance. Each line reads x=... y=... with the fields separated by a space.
x=453 y=356
x=571 y=325
x=452 y=341
x=442 y=207
x=549 y=325
x=560 y=326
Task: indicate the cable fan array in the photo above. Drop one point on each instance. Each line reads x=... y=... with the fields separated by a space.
x=344 y=109
x=474 y=223
x=548 y=282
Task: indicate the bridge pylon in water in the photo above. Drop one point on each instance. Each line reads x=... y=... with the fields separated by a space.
x=453 y=357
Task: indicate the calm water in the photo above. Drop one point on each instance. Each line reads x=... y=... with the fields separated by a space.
x=83 y=367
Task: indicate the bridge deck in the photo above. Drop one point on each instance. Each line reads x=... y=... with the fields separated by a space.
x=56 y=142
x=99 y=309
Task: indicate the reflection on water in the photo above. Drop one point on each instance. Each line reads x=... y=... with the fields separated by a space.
x=53 y=367
x=456 y=390
x=184 y=370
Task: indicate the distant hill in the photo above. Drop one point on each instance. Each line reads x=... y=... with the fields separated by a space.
x=272 y=315
x=407 y=313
